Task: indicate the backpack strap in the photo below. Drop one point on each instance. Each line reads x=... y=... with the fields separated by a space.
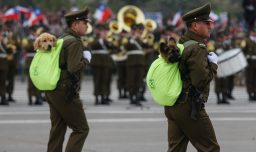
x=184 y=76
x=189 y=42
x=64 y=53
x=67 y=37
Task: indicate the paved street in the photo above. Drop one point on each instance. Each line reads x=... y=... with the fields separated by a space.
x=117 y=128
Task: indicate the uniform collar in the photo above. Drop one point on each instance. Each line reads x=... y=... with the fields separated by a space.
x=189 y=35
x=69 y=31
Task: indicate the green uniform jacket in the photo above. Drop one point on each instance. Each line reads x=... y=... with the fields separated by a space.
x=135 y=59
x=194 y=66
x=250 y=48
x=101 y=60
x=71 y=57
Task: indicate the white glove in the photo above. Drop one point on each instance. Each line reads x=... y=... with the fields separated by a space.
x=212 y=57
x=87 y=55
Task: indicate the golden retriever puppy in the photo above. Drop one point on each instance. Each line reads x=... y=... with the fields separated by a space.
x=45 y=41
x=169 y=52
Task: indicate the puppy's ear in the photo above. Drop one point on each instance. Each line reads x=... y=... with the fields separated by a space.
x=163 y=47
x=37 y=43
x=54 y=40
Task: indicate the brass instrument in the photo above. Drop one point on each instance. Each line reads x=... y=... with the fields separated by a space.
x=88 y=38
x=89 y=28
x=150 y=25
x=112 y=35
x=129 y=15
x=114 y=27
x=146 y=36
x=211 y=46
x=112 y=38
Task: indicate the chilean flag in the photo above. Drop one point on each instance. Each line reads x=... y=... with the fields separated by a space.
x=102 y=13
x=177 y=19
x=15 y=12
x=35 y=18
x=12 y=14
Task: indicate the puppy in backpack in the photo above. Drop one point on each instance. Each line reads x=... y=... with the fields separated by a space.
x=169 y=51
x=45 y=42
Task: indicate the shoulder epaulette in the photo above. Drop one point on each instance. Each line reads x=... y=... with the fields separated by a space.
x=202 y=45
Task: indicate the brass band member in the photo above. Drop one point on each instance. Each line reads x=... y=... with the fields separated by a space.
x=135 y=65
x=102 y=65
x=3 y=69
x=250 y=53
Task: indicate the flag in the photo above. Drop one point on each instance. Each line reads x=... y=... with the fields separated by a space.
x=11 y=14
x=15 y=13
x=176 y=19
x=214 y=16
x=102 y=13
x=35 y=18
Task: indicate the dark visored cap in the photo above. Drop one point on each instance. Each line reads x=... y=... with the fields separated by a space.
x=78 y=15
x=198 y=14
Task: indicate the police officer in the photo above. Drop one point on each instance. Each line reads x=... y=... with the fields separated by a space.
x=197 y=68
x=250 y=73
x=66 y=108
x=135 y=65
x=221 y=84
x=3 y=70
x=12 y=65
x=102 y=65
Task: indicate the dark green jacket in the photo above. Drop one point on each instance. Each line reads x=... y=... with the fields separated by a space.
x=71 y=57
x=250 y=48
x=195 y=69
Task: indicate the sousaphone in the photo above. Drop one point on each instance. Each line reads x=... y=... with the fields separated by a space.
x=129 y=15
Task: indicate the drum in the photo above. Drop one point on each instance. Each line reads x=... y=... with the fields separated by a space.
x=231 y=62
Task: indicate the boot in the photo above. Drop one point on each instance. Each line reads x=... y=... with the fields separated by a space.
x=120 y=93
x=229 y=95
x=251 y=97
x=29 y=100
x=132 y=99
x=4 y=102
x=97 y=102
x=108 y=99
x=125 y=96
x=44 y=98
x=254 y=97
x=104 y=101
x=224 y=99
x=10 y=98
x=39 y=100
x=218 y=98
x=137 y=101
x=142 y=98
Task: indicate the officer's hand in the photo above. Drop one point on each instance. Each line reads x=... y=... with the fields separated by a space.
x=212 y=57
x=87 y=55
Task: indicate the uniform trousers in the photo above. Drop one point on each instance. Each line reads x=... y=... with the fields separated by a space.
x=102 y=80
x=182 y=129
x=250 y=77
x=135 y=75
x=121 y=72
x=3 y=76
x=10 y=78
x=65 y=114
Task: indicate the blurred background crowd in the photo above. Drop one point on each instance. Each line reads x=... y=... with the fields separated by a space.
x=117 y=29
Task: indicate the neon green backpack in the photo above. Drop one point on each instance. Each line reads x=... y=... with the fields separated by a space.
x=164 y=80
x=44 y=70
